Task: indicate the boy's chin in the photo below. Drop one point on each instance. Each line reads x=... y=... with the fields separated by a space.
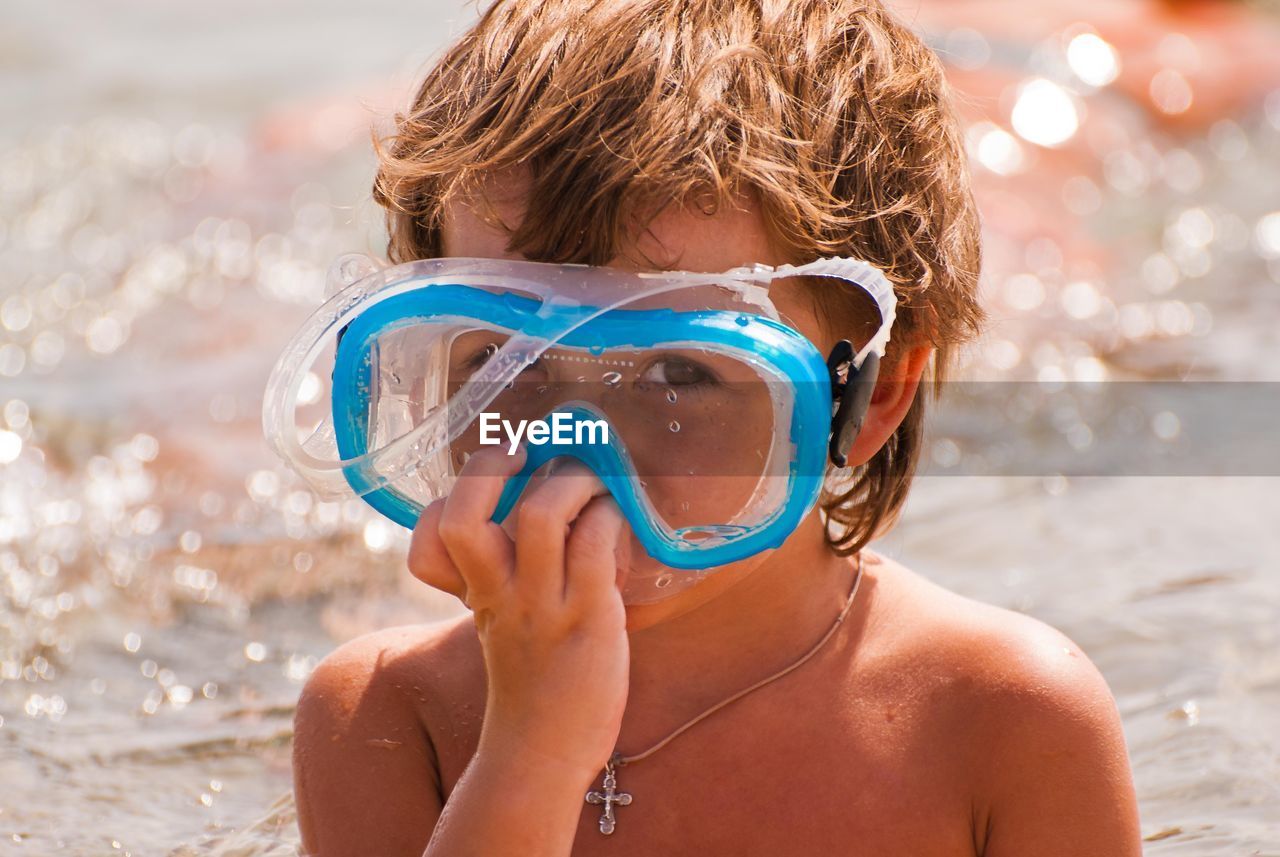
x=650 y=585
x=653 y=593
x=643 y=580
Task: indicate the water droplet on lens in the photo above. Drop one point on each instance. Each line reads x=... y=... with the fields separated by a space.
x=673 y=425
x=542 y=389
x=671 y=396
x=517 y=303
x=611 y=379
x=664 y=580
x=742 y=321
x=596 y=350
x=491 y=349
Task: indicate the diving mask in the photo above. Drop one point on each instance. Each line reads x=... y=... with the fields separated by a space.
x=708 y=419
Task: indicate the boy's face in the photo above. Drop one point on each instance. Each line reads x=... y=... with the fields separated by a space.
x=677 y=239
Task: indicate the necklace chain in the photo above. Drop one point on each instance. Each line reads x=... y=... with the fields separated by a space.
x=618 y=760
x=609 y=795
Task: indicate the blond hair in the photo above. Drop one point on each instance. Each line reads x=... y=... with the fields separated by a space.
x=833 y=116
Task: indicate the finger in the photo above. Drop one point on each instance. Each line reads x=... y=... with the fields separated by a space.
x=428 y=560
x=478 y=547
x=622 y=554
x=542 y=525
x=598 y=540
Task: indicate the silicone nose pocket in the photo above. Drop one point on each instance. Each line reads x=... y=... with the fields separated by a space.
x=606 y=458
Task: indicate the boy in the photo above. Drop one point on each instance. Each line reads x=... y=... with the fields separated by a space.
x=882 y=715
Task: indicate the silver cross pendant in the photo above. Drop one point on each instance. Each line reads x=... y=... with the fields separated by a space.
x=609 y=796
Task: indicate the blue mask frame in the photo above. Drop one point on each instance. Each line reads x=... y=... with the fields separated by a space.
x=790 y=354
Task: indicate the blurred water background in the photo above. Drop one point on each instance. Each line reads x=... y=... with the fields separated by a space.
x=174 y=180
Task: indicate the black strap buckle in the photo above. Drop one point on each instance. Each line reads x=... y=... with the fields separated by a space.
x=851 y=391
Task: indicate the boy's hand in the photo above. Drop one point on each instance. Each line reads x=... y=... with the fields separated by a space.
x=547 y=607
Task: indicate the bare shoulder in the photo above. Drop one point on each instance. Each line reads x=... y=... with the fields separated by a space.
x=404 y=661
x=979 y=651
x=366 y=760
x=400 y=681
x=1015 y=709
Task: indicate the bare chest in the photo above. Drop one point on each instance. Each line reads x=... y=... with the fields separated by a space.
x=775 y=779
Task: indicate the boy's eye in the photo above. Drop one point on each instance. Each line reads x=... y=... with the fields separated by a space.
x=677 y=372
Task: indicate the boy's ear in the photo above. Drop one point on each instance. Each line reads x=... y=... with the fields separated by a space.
x=895 y=391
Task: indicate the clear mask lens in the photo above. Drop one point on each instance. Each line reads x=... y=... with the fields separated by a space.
x=702 y=432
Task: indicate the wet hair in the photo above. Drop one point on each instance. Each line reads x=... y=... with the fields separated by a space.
x=831 y=116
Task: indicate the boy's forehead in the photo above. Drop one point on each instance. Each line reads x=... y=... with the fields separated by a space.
x=680 y=237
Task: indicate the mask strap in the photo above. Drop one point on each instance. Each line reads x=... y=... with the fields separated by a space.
x=851 y=396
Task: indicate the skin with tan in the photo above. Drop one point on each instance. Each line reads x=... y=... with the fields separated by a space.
x=928 y=725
